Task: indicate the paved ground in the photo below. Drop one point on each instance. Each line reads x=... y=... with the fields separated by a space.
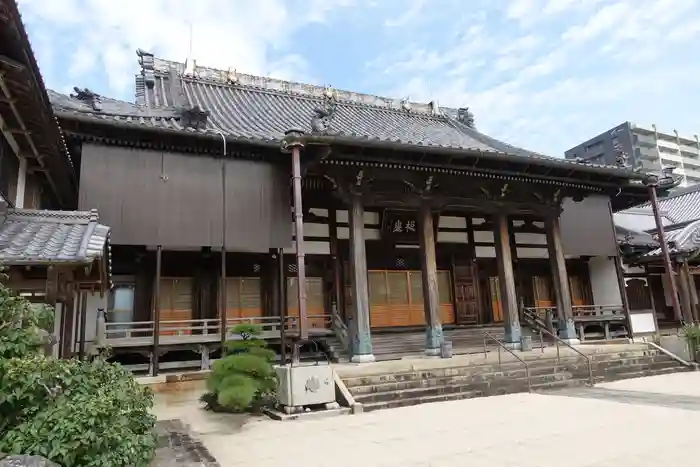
x=634 y=423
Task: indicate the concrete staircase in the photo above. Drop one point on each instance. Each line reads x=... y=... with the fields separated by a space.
x=400 y=389
x=395 y=345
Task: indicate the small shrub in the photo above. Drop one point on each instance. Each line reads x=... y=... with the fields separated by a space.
x=244 y=379
x=692 y=336
x=23 y=325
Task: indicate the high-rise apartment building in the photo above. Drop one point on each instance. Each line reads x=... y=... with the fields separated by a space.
x=647 y=148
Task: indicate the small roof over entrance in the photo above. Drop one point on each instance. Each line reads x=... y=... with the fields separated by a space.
x=34 y=237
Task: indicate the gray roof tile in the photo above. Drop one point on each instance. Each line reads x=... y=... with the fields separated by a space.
x=683 y=205
x=260 y=109
x=627 y=236
x=685 y=239
x=30 y=236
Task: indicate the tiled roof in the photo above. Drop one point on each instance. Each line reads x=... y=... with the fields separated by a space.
x=682 y=205
x=260 y=110
x=627 y=236
x=30 y=236
x=686 y=239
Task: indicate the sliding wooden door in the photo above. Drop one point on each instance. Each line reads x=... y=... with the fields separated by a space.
x=175 y=305
x=396 y=298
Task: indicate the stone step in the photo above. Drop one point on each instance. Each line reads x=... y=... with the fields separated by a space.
x=481 y=375
x=485 y=380
x=464 y=379
x=420 y=400
x=491 y=386
x=505 y=367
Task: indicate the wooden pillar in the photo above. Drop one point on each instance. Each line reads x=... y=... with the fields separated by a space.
x=337 y=265
x=506 y=279
x=272 y=284
x=431 y=300
x=620 y=271
x=156 y=313
x=560 y=281
x=362 y=339
x=686 y=297
x=693 y=296
x=223 y=302
x=82 y=300
x=281 y=292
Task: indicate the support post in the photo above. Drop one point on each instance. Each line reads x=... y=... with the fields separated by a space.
x=664 y=249
x=21 y=182
x=83 y=323
x=101 y=328
x=565 y=314
x=294 y=144
x=223 y=299
x=281 y=292
x=362 y=339
x=506 y=278
x=156 y=313
x=686 y=297
x=431 y=300
x=336 y=264
x=620 y=271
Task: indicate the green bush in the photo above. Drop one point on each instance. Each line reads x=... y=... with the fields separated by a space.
x=692 y=336
x=23 y=325
x=75 y=413
x=244 y=379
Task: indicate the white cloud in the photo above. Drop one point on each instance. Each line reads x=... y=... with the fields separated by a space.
x=226 y=33
x=583 y=68
x=544 y=74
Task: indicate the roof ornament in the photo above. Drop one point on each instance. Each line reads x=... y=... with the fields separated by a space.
x=88 y=96
x=406 y=104
x=232 y=76
x=621 y=158
x=194 y=117
x=323 y=116
x=147 y=67
x=465 y=117
x=434 y=108
x=190 y=68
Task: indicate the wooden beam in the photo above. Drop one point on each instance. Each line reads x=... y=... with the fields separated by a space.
x=155 y=317
x=686 y=297
x=337 y=263
x=560 y=281
x=431 y=299
x=362 y=339
x=83 y=323
x=506 y=279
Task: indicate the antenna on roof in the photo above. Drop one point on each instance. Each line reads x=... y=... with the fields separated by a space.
x=189 y=62
x=189 y=54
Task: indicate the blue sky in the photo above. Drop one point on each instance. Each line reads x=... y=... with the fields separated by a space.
x=542 y=74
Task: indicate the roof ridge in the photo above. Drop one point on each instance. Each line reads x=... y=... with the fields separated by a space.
x=339 y=99
x=152 y=66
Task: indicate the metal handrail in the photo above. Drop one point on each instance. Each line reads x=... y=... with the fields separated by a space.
x=557 y=340
x=501 y=345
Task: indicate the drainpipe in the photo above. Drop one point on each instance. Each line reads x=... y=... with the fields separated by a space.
x=222 y=293
x=294 y=143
